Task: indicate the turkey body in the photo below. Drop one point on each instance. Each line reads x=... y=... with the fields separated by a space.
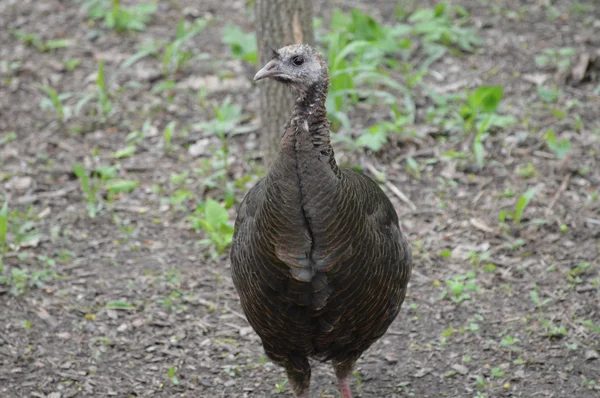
x=318 y=258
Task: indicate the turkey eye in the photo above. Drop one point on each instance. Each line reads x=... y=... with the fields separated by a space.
x=297 y=60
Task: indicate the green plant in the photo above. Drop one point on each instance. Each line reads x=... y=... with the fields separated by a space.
x=520 y=206
x=243 y=45
x=443 y=25
x=377 y=135
x=575 y=275
x=8 y=137
x=41 y=45
x=533 y=294
x=559 y=57
x=120 y=186
x=168 y=135
x=56 y=101
x=3 y=231
x=280 y=386
x=559 y=148
x=484 y=101
x=213 y=219
x=102 y=95
x=118 y=17
x=548 y=94
x=71 y=64
x=458 y=286
x=91 y=187
x=478 y=149
x=226 y=123
x=104 y=98
x=351 y=72
x=497 y=372
x=21 y=279
x=19 y=226
x=174 y=58
x=510 y=342
x=527 y=171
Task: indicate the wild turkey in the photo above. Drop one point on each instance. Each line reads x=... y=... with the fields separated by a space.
x=318 y=258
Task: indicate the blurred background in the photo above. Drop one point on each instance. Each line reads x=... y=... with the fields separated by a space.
x=130 y=130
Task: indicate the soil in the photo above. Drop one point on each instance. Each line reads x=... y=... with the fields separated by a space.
x=132 y=303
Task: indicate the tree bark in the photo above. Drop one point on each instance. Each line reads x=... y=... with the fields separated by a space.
x=278 y=23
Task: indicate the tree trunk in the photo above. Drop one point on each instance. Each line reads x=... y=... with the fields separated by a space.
x=278 y=24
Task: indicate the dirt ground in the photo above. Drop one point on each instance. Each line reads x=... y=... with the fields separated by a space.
x=131 y=303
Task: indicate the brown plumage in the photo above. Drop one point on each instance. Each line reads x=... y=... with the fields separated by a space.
x=318 y=258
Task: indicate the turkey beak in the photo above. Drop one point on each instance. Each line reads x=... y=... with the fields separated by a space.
x=271 y=69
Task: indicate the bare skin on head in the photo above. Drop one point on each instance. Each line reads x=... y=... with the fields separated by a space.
x=298 y=65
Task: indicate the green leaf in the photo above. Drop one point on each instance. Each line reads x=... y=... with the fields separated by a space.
x=58 y=43
x=119 y=304
x=522 y=203
x=547 y=94
x=81 y=173
x=124 y=152
x=215 y=214
x=243 y=45
x=487 y=98
x=121 y=186
x=374 y=138
x=3 y=228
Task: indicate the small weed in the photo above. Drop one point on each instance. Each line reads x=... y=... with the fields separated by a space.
x=125 y=152
x=171 y=374
x=232 y=370
x=559 y=58
x=510 y=342
x=575 y=275
x=443 y=25
x=243 y=45
x=358 y=378
x=118 y=186
x=55 y=101
x=168 y=135
x=213 y=219
x=118 y=17
x=520 y=206
x=553 y=331
x=528 y=171
x=590 y=325
x=3 y=231
x=458 y=286
x=484 y=100
x=8 y=137
x=30 y=39
x=21 y=279
x=104 y=97
x=533 y=294
x=280 y=386
x=548 y=94
x=91 y=186
x=119 y=304
x=477 y=258
x=226 y=123
x=497 y=372
x=174 y=58
x=559 y=148
x=71 y=64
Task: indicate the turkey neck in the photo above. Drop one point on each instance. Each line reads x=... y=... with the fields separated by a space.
x=306 y=137
x=308 y=181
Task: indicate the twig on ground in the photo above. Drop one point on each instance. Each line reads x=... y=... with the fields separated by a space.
x=46 y=195
x=561 y=189
x=395 y=190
